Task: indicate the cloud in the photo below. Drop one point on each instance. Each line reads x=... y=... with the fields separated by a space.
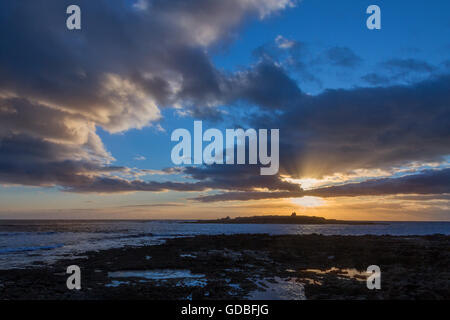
x=423 y=183
x=238 y=177
x=307 y=61
x=355 y=130
x=426 y=197
x=116 y=185
x=363 y=128
x=266 y=85
x=376 y=79
x=44 y=146
x=360 y=129
x=342 y=57
x=216 y=177
x=408 y=65
x=400 y=71
x=139 y=158
x=337 y=131
x=284 y=43
x=152 y=205
x=294 y=55
x=129 y=60
x=125 y=63
x=246 y=196
x=30 y=161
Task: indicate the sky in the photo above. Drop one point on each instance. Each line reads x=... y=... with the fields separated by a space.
x=86 y=116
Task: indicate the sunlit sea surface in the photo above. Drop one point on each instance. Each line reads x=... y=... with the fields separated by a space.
x=30 y=243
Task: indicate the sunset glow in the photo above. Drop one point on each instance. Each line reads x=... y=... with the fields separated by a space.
x=308 y=202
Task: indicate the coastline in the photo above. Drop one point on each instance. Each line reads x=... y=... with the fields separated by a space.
x=280 y=219
x=247 y=266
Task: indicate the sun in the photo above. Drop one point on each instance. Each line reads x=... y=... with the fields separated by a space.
x=308 y=202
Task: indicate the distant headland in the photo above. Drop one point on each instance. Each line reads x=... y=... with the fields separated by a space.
x=278 y=219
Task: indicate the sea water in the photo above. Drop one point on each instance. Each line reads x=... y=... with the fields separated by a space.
x=28 y=243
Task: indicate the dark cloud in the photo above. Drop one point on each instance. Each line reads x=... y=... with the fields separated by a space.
x=430 y=184
x=295 y=55
x=400 y=71
x=340 y=131
x=363 y=128
x=217 y=177
x=342 y=57
x=266 y=85
x=239 y=177
x=426 y=197
x=337 y=131
x=19 y=115
x=246 y=196
x=130 y=59
x=408 y=65
x=127 y=62
x=427 y=182
x=29 y=161
x=117 y=185
x=376 y=79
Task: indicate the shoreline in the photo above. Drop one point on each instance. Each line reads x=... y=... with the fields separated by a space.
x=281 y=219
x=247 y=266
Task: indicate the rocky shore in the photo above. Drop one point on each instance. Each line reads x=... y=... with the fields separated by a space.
x=247 y=267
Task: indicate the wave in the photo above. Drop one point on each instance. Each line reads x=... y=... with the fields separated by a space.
x=186 y=234
x=131 y=236
x=10 y=234
x=24 y=249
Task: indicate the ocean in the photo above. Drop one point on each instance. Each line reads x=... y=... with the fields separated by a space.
x=28 y=243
